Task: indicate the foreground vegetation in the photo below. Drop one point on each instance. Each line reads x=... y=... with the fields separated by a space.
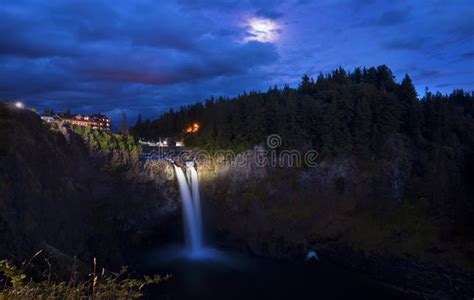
x=16 y=284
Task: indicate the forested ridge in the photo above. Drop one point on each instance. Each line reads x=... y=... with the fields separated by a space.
x=337 y=114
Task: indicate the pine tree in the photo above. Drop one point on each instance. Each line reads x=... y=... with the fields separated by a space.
x=139 y=120
x=123 y=124
x=361 y=126
x=306 y=85
x=357 y=77
x=410 y=114
x=387 y=115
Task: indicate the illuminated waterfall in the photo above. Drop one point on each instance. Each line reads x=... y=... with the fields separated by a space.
x=191 y=208
x=196 y=198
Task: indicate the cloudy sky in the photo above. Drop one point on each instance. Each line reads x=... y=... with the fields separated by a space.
x=146 y=56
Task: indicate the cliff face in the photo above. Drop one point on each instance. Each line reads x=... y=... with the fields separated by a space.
x=382 y=217
x=281 y=211
x=58 y=190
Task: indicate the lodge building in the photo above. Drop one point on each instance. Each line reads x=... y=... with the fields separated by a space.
x=95 y=121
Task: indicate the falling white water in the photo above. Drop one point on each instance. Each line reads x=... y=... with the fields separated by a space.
x=196 y=198
x=192 y=230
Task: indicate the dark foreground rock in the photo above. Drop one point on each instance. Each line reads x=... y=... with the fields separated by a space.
x=405 y=274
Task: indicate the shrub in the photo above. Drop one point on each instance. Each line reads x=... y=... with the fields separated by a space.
x=106 y=141
x=16 y=284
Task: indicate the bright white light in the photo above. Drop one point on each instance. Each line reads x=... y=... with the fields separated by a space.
x=19 y=105
x=262 y=30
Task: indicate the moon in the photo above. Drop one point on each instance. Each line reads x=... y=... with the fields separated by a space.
x=262 y=30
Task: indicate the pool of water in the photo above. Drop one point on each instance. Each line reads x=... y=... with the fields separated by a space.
x=216 y=274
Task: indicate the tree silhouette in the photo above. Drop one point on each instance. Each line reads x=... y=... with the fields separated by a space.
x=124 y=124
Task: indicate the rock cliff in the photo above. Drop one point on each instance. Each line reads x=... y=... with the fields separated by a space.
x=372 y=217
x=58 y=190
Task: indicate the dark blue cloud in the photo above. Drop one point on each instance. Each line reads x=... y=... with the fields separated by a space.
x=147 y=56
x=388 y=18
x=468 y=56
x=405 y=43
x=269 y=13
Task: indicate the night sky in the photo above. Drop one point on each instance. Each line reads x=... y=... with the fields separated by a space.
x=147 y=56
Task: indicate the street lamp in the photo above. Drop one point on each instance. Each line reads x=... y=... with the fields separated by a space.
x=19 y=105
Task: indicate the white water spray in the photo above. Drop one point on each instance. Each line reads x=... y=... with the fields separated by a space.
x=191 y=208
x=196 y=198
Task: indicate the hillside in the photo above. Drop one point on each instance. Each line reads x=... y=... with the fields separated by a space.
x=74 y=193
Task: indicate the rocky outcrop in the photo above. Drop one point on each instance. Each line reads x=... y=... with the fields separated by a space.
x=363 y=216
x=56 y=190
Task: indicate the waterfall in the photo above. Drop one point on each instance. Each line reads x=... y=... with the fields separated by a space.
x=196 y=198
x=191 y=208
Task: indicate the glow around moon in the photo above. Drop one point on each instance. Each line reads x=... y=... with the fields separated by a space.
x=262 y=30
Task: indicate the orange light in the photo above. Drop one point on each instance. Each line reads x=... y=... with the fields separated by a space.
x=193 y=128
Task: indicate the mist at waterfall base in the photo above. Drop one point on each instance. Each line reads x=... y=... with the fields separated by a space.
x=202 y=272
